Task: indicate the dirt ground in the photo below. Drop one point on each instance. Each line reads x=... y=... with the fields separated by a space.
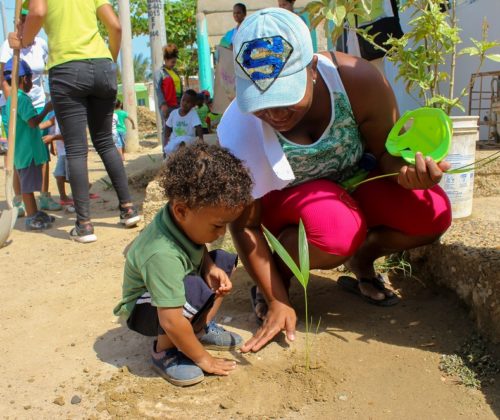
x=64 y=355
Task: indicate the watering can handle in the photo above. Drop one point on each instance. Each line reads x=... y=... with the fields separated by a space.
x=399 y=126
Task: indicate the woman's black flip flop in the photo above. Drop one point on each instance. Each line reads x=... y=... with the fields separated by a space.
x=352 y=285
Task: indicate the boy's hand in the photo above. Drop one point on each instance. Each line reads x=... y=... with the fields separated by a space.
x=216 y=365
x=218 y=281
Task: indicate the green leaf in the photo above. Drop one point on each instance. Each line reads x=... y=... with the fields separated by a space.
x=470 y=50
x=284 y=255
x=303 y=253
x=493 y=57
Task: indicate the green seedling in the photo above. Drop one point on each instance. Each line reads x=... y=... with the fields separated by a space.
x=474 y=166
x=301 y=274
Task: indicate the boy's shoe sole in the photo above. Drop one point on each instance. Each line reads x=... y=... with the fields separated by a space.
x=178 y=382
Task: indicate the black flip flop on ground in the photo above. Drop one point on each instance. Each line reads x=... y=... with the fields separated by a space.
x=257 y=299
x=352 y=285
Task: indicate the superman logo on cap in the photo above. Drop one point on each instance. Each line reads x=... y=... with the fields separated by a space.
x=263 y=59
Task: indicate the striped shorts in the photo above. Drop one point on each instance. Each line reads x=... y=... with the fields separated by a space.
x=199 y=299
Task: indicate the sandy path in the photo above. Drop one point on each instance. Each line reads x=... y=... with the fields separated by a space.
x=59 y=339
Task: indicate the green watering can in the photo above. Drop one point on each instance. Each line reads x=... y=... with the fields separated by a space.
x=430 y=133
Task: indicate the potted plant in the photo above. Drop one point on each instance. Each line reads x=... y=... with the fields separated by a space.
x=426 y=58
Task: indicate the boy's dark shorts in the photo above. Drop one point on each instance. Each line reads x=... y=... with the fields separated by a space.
x=30 y=178
x=199 y=299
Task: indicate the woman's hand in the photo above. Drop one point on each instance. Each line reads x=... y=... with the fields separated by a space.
x=425 y=174
x=215 y=365
x=218 y=281
x=279 y=317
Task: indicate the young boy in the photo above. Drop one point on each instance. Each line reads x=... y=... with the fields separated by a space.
x=30 y=152
x=172 y=285
x=56 y=141
x=183 y=124
x=119 y=127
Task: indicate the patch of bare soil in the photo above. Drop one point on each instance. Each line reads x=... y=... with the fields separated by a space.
x=64 y=355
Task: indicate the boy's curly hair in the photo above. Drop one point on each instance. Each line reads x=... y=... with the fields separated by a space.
x=203 y=175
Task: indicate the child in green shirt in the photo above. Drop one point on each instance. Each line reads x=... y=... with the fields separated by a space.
x=172 y=286
x=30 y=151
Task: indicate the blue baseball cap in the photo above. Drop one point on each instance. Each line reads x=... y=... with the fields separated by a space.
x=272 y=49
x=24 y=69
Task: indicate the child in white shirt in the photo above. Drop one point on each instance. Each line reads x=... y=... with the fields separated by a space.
x=183 y=124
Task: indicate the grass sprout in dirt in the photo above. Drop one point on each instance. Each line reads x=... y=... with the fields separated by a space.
x=301 y=273
x=473 y=364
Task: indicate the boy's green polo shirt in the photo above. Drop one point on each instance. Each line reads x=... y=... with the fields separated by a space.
x=157 y=262
x=29 y=144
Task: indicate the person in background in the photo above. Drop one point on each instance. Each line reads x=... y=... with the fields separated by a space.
x=202 y=111
x=55 y=142
x=83 y=87
x=213 y=118
x=239 y=15
x=286 y=4
x=121 y=127
x=183 y=125
x=36 y=55
x=168 y=82
x=30 y=151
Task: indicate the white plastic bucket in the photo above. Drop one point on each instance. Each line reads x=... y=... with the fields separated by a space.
x=460 y=187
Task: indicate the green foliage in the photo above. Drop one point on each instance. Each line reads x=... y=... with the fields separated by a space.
x=142 y=68
x=426 y=54
x=180 y=25
x=301 y=273
x=337 y=12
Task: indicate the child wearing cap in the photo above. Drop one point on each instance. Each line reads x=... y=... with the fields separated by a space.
x=30 y=151
x=183 y=125
x=172 y=286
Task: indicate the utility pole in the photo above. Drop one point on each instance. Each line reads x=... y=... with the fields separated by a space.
x=128 y=82
x=4 y=19
x=157 y=39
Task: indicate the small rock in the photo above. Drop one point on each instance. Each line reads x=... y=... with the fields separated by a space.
x=86 y=370
x=76 y=399
x=59 y=401
x=343 y=397
x=27 y=407
x=393 y=321
x=124 y=369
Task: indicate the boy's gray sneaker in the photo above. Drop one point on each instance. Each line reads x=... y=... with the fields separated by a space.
x=175 y=367
x=217 y=338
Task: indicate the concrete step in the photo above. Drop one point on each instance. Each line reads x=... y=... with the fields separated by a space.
x=487 y=179
x=467 y=261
